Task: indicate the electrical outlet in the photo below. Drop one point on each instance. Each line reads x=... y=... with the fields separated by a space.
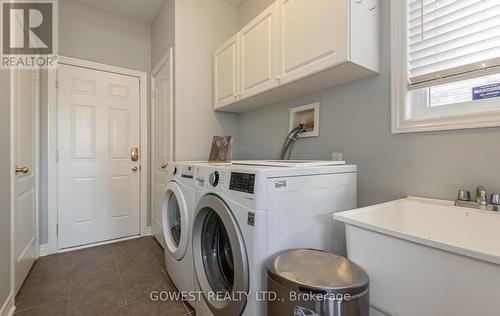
x=337 y=157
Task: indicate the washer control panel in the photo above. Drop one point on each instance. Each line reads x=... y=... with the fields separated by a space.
x=213 y=178
x=187 y=172
x=242 y=182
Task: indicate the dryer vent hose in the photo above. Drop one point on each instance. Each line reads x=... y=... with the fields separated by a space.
x=287 y=148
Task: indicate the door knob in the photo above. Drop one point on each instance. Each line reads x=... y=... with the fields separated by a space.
x=135 y=168
x=163 y=166
x=22 y=170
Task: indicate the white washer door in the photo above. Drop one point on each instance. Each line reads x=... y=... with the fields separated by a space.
x=175 y=221
x=220 y=257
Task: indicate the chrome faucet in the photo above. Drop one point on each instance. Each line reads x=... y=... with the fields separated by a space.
x=481 y=196
x=481 y=202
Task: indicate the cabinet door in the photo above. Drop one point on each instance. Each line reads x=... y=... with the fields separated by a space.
x=312 y=36
x=226 y=73
x=258 y=54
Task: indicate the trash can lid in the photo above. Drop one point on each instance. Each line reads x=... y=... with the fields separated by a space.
x=317 y=270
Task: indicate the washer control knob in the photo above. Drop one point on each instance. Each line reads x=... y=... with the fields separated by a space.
x=213 y=178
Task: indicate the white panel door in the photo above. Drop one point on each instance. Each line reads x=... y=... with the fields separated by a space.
x=258 y=53
x=162 y=130
x=99 y=184
x=312 y=36
x=226 y=73
x=25 y=182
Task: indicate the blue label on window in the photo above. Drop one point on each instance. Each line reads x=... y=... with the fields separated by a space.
x=486 y=92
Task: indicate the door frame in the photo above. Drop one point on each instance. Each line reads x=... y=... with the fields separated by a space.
x=52 y=134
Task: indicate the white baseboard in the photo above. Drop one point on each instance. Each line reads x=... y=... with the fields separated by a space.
x=43 y=250
x=8 y=307
x=107 y=242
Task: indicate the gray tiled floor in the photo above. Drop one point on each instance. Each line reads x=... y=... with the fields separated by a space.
x=109 y=280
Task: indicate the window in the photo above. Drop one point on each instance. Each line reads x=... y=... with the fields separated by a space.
x=445 y=64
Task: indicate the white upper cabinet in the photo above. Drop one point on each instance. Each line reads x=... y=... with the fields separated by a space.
x=296 y=47
x=226 y=73
x=313 y=36
x=258 y=54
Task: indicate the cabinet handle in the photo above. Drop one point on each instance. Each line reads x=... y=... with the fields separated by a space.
x=163 y=166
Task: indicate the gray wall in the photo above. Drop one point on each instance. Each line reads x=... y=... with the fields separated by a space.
x=194 y=29
x=251 y=8
x=355 y=120
x=97 y=36
x=162 y=32
x=92 y=35
x=200 y=27
x=5 y=173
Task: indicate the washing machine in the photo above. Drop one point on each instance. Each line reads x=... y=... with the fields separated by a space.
x=246 y=213
x=177 y=218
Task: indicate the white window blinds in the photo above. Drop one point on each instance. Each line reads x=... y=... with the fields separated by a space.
x=450 y=39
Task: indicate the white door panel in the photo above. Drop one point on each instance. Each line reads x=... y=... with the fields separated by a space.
x=226 y=73
x=312 y=36
x=162 y=136
x=25 y=154
x=99 y=193
x=258 y=54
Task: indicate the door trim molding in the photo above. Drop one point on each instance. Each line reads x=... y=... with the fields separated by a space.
x=8 y=307
x=52 y=142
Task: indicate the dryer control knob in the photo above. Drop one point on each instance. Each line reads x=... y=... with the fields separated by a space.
x=213 y=178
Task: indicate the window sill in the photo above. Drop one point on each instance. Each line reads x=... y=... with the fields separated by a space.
x=483 y=119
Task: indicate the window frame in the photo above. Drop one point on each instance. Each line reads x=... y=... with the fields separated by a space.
x=401 y=99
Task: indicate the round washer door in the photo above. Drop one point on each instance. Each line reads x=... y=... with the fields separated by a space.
x=175 y=221
x=220 y=257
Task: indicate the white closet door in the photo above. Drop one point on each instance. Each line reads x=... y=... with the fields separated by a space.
x=25 y=154
x=162 y=131
x=99 y=183
x=258 y=54
x=226 y=73
x=312 y=36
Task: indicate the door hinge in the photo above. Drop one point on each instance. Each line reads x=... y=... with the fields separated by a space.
x=57 y=155
x=57 y=229
x=57 y=84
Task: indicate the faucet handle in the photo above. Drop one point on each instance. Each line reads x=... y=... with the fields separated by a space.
x=464 y=195
x=495 y=199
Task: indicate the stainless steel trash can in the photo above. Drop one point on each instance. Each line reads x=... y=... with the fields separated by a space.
x=307 y=282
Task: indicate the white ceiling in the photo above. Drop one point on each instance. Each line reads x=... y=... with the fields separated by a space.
x=140 y=10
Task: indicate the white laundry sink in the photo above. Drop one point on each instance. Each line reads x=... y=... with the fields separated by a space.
x=427 y=257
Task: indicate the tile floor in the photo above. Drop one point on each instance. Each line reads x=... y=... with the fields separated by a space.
x=110 y=280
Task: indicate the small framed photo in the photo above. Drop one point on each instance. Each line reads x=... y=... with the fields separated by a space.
x=221 y=149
